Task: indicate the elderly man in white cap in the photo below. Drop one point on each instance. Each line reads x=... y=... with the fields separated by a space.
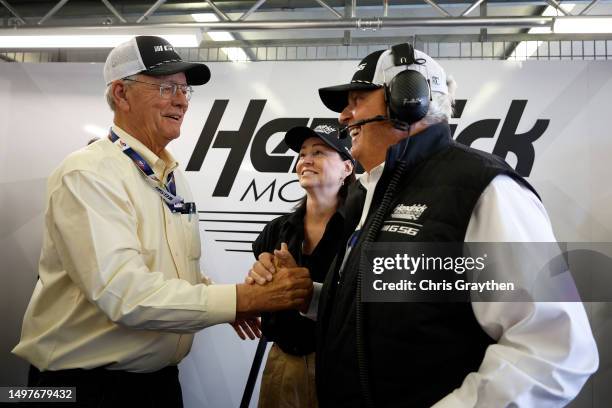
x=422 y=186
x=120 y=292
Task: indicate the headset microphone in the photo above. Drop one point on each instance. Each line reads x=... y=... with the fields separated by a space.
x=344 y=131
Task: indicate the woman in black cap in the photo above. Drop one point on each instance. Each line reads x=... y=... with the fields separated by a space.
x=312 y=233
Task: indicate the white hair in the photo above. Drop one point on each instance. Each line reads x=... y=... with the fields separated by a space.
x=441 y=105
x=108 y=93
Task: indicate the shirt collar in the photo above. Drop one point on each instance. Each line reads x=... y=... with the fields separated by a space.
x=161 y=165
x=370 y=179
x=296 y=218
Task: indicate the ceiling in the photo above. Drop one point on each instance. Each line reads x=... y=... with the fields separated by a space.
x=263 y=23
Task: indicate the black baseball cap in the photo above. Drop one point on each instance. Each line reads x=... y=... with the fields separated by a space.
x=151 y=55
x=296 y=136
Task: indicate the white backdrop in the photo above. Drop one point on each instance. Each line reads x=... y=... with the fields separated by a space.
x=49 y=110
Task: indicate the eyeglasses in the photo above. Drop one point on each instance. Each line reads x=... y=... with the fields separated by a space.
x=168 y=90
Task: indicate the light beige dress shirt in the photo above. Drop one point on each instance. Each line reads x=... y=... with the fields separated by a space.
x=119 y=272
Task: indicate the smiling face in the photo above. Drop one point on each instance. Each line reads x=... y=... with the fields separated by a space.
x=321 y=167
x=149 y=117
x=371 y=140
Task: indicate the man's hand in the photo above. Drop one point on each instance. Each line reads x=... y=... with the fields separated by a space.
x=250 y=327
x=291 y=288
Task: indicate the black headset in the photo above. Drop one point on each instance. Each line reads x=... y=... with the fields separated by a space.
x=408 y=94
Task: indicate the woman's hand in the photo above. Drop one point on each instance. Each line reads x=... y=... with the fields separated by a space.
x=265 y=267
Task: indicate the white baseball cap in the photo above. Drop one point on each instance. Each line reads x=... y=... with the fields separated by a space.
x=153 y=56
x=379 y=68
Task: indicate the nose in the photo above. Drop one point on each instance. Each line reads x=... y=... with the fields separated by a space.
x=345 y=115
x=180 y=99
x=307 y=158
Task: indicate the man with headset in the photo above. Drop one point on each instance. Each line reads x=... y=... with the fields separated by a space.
x=120 y=292
x=396 y=110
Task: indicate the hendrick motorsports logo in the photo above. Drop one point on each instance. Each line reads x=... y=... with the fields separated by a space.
x=250 y=133
x=325 y=129
x=409 y=212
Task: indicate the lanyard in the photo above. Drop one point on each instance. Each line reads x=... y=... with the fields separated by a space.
x=166 y=191
x=352 y=241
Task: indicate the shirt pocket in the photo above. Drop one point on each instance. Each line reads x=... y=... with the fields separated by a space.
x=191 y=231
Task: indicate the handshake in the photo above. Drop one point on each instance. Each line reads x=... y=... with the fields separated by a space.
x=274 y=283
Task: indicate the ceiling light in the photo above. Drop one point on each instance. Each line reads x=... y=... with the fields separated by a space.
x=214 y=35
x=236 y=54
x=205 y=17
x=526 y=49
x=86 y=41
x=584 y=25
x=233 y=54
x=220 y=36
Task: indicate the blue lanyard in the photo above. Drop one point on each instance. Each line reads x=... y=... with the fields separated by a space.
x=166 y=191
x=353 y=239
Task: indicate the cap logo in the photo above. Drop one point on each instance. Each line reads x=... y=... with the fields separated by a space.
x=361 y=67
x=324 y=129
x=160 y=48
x=435 y=80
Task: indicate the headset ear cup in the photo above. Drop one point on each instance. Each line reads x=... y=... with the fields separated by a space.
x=408 y=97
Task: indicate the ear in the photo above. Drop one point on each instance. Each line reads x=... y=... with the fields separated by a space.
x=118 y=92
x=348 y=168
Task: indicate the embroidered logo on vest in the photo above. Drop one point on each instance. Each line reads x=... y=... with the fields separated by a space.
x=409 y=212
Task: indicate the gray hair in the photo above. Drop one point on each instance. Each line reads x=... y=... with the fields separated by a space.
x=441 y=105
x=109 y=94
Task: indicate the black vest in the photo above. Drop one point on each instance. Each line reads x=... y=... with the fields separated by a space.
x=416 y=353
